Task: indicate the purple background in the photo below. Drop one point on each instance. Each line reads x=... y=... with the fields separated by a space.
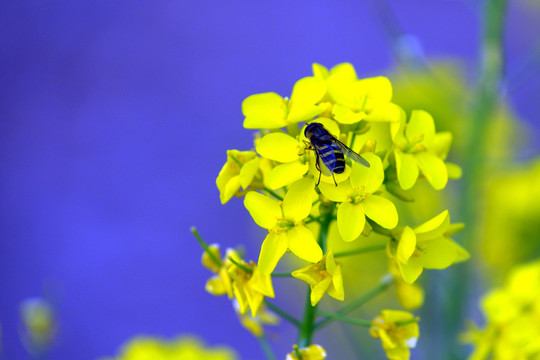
x=114 y=121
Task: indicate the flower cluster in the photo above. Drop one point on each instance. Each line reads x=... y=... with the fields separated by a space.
x=144 y=348
x=512 y=315
x=292 y=187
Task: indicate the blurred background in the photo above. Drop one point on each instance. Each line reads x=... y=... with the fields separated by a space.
x=114 y=121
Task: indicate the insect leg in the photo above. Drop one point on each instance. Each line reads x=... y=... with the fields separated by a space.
x=333 y=177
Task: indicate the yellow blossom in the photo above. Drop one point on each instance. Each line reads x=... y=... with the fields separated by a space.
x=427 y=246
x=238 y=172
x=324 y=276
x=39 y=322
x=250 y=287
x=398 y=331
x=357 y=99
x=236 y=277
x=285 y=224
x=410 y=296
x=419 y=148
x=185 y=348
x=358 y=200
x=271 y=111
x=221 y=283
x=512 y=314
x=310 y=352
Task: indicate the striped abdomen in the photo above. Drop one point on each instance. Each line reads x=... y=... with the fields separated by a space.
x=332 y=157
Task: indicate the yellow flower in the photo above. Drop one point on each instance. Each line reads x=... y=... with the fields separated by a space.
x=236 y=277
x=250 y=287
x=427 y=246
x=185 y=348
x=254 y=324
x=355 y=100
x=398 y=331
x=221 y=283
x=271 y=111
x=357 y=199
x=311 y=352
x=513 y=318
x=324 y=276
x=285 y=224
x=238 y=172
x=419 y=148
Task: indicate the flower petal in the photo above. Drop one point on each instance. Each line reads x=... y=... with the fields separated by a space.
x=286 y=174
x=387 y=112
x=421 y=128
x=318 y=290
x=379 y=88
x=336 y=289
x=319 y=71
x=433 y=228
x=248 y=171
x=264 y=111
x=350 y=220
x=345 y=115
x=272 y=249
x=439 y=253
x=231 y=187
x=308 y=90
x=297 y=202
x=433 y=169
x=265 y=211
x=335 y=193
x=406 y=245
x=381 y=210
x=412 y=270
x=407 y=170
x=279 y=147
x=370 y=177
x=303 y=244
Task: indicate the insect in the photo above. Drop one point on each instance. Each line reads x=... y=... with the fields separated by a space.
x=329 y=151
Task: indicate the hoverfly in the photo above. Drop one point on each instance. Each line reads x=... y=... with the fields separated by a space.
x=329 y=151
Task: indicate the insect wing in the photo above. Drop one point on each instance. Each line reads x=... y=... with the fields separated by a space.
x=351 y=153
x=320 y=162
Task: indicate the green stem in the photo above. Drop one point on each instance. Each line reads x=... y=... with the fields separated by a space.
x=308 y=322
x=346 y=319
x=485 y=103
x=361 y=250
x=205 y=246
x=273 y=193
x=285 y=315
x=281 y=274
x=240 y=265
x=382 y=286
x=267 y=349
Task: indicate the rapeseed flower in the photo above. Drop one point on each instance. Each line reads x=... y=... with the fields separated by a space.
x=237 y=278
x=185 y=348
x=284 y=222
x=221 y=283
x=398 y=331
x=419 y=149
x=250 y=287
x=357 y=99
x=310 y=352
x=427 y=246
x=512 y=315
x=271 y=111
x=323 y=277
x=238 y=172
x=358 y=200
x=39 y=324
